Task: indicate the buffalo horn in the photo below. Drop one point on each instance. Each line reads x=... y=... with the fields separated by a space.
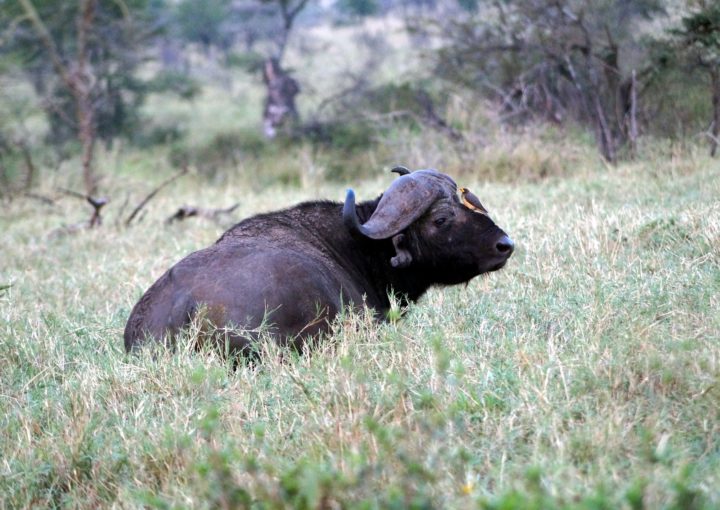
x=407 y=198
x=350 y=215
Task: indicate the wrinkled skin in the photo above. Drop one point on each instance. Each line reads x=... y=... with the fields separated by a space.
x=292 y=271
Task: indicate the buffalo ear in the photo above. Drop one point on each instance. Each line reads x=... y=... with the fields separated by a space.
x=402 y=256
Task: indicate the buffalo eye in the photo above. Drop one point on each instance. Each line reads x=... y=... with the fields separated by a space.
x=440 y=222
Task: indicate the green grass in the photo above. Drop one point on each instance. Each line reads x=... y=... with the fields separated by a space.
x=586 y=374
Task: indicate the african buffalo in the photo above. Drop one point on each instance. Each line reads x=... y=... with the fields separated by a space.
x=294 y=270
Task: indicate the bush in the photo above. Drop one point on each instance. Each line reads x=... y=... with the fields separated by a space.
x=175 y=82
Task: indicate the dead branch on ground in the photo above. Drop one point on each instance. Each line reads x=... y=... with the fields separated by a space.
x=97 y=204
x=189 y=211
x=41 y=198
x=152 y=194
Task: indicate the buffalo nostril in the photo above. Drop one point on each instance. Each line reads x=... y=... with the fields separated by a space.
x=505 y=245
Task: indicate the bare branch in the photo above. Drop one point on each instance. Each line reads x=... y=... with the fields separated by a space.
x=72 y=193
x=47 y=41
x=84 y=23
x=40 y=198
x=8 y=33
x=152 y=194
x=97 y=204
x=299 y=7
x=288 y=16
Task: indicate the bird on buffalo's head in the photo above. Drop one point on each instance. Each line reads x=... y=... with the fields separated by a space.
x=471 y=201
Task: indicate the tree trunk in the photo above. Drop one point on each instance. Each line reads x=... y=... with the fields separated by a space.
x=288 y=15
x=280 y=101
x=29 y=165
x=86 y=134
x=633 y=130
x=606 y=141
x=715 y=130
x=82 y=83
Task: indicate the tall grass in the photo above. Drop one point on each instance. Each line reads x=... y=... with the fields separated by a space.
x=583 y=375
x=586 y=374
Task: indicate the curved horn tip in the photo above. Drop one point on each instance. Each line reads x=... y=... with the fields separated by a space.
x=350 y=218
x=401 y=170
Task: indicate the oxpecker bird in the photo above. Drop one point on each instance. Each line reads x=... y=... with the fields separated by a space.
x=471 y=201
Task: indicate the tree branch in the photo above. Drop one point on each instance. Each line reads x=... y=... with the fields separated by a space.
x=152 y=194
x=8 y=33
x=288 y=17
x=96 y=203
x=47 y=41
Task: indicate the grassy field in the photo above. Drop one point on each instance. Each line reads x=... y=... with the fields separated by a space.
x=586 y=374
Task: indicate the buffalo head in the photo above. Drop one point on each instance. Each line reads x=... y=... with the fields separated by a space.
x=432 y=229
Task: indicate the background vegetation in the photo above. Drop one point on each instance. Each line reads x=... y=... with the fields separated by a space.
x=583 y=375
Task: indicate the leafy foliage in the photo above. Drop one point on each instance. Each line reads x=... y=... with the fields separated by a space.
x=358 y=8
x=700 y=34
x=555 y=60
x=696 y=47
x=204 y=22
x=116 y=38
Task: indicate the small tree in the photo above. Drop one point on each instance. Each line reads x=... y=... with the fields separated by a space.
x=80 y=57
x=279 y=106
x=699 y=43
x=281 y=87
x=77 y=77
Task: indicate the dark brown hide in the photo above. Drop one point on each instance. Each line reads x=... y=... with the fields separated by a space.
x=293 y=270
